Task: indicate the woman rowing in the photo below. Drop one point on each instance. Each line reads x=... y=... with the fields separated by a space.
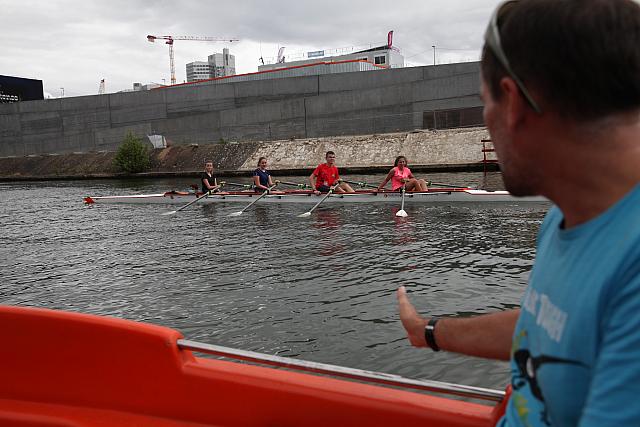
x=400 y=175
x=208 y=179
x=261 y=177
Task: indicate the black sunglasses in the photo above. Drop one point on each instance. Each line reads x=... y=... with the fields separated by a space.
x=492 y=40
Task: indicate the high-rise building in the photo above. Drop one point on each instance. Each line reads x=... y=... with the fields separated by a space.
x=217 y=65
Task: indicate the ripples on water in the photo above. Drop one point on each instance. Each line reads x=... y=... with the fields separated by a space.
x=320 y=288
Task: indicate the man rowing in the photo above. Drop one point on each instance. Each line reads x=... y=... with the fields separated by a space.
x=560 y=81
x=326 y=176
x=401 y=176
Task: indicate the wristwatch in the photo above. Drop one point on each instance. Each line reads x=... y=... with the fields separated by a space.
x=429 y=336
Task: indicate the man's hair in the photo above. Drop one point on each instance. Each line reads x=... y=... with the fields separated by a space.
x=208 y=161
x=581 y=58
x=329 y=152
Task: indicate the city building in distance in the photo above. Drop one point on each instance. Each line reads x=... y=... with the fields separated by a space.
x=217 y=65
x=14 y=89
x=385 y=56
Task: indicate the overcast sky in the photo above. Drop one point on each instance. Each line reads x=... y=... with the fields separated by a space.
x=74 y=44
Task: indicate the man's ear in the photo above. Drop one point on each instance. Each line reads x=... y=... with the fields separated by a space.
x=515 y=104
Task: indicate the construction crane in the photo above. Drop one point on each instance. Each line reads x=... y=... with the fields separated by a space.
x=170 y=39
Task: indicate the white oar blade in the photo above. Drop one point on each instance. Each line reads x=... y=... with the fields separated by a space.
x=402 y=213
x=236 y=213
x=304 y=215
x=169 y=213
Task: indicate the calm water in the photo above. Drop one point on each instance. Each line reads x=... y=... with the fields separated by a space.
x=319 y=289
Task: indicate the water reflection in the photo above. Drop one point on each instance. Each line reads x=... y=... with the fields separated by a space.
x=327 y=219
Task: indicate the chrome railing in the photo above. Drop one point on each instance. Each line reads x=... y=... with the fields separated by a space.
x=343 y=372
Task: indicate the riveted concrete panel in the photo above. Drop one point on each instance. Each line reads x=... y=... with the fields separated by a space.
x=200 y=129
x=79 y=142
x=11 y=146
x=462 y=85
x=448 y=103
x=368 y=79
x=128 y=99
x=135 y=114
x=110 y=139
x=11 y=108
x=10 y=125
x=43 y=142
x=78 y=121
x=84 y=103
x=41 y=123
x=198 y=106
x=46 y=105
x=197 y=99
x=275 y=89
x=447 y=70
x=262 y=113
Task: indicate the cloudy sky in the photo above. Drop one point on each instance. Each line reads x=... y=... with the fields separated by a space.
x=74 y=44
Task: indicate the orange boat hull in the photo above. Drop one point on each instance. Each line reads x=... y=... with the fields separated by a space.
x=68 y=369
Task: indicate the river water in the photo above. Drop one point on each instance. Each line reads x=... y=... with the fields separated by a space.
x=320 y=288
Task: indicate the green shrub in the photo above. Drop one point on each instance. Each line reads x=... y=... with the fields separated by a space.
x=132 y=155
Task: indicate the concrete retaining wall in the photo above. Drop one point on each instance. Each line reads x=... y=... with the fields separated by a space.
x=459 y=147
x=298 y=107
x=425 y=150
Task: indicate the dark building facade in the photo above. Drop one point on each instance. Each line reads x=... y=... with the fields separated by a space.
x=14 y=89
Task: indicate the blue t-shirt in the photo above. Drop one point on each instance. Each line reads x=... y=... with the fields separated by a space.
x=264 y=176
x=576 y=348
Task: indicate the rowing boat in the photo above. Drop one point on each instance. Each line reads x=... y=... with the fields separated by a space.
x=69 y=369
x=436 y=195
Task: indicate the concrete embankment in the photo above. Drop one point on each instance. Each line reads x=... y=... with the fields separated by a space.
x=459 y=149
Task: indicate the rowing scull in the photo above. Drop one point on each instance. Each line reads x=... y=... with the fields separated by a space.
x=439 y=195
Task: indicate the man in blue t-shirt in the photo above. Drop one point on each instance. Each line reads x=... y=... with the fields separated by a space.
x=565 y=123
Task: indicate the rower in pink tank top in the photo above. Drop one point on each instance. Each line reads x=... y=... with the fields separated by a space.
x=401 y=175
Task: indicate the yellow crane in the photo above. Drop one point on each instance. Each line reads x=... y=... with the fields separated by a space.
x=170 y=39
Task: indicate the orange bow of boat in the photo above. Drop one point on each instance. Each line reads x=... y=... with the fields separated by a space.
x=68 y=369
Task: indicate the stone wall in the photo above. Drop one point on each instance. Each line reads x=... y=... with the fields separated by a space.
x=456 y=147
x=428 y=150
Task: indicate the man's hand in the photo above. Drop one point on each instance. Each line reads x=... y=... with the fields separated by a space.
x=413 y=323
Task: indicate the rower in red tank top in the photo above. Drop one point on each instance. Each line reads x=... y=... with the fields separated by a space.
x=401 y=175
x=326 y=176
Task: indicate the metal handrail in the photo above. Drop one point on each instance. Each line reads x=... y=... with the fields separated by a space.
x=344 y=372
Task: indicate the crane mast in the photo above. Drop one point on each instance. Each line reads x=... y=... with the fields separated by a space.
x=170 y=39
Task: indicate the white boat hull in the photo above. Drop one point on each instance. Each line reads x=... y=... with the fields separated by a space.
x=436 y=196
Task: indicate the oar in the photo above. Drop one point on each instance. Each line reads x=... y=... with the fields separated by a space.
x=308 y=213
x=295 y=184
x=401 y=212
x=192 y=202
x=360 y=183
x=429 y=183
x=236 y=184
x=251 y=204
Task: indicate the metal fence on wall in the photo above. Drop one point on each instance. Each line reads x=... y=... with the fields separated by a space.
x=454 y=118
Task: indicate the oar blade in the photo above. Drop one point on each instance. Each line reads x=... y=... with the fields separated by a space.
x=402 y=213
x=304 y=215
x=236 y=213
x=169 y=213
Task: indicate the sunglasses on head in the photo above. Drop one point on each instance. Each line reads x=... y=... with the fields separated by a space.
x=492 y=40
